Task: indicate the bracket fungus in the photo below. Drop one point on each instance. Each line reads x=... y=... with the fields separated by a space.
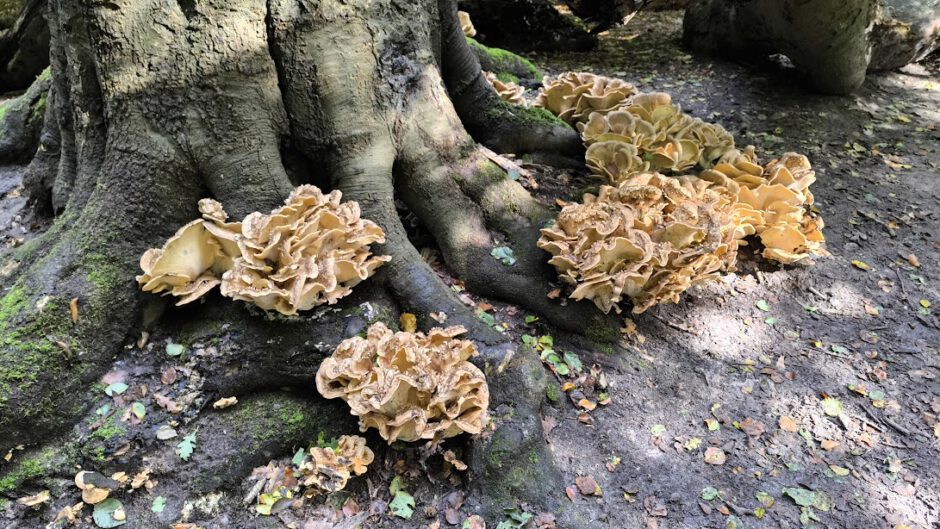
x=409 y=386
x=310 y=251
x=329 y=469
x=775 y=202
x=664 y=136
x=466 y=25
x=573 y=96
x=508 y=91
x=649 y=238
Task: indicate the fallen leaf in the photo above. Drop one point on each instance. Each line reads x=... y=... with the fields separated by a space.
x=839 y=471
x=828 y=445
x=861 y=265
x=715 y=456
x=73 y=309
x=227 y=402
x=752 y=427
x=166 y=403
x=832 y=406
x=35 y=500
x=588 y=486
x=787 y=424
x=913 y=260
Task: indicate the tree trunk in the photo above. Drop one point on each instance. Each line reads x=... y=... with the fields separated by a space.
x=827 y=40
x=155 y=104
x=24 y=44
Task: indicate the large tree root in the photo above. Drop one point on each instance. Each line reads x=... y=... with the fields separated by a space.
x=356 y=89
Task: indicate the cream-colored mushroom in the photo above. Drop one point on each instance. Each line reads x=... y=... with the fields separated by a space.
x=329 y=469
x=465 y=24
x=508 y=91
x=408 y=386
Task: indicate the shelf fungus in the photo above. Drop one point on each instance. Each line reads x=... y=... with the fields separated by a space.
x=508 y=91
x=650 y=238
x=466 y=25
x=775 y=202
x=409 y=386
x=573 y=96
x=310 y=251
x=329 y=469
x=663 y=135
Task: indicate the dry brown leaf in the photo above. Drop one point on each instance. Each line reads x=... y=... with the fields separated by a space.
x=226 y=402
x=787 y=424
x=715 y=456
x=588 y=486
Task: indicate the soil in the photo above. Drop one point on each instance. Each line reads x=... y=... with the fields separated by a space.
x=777 y=397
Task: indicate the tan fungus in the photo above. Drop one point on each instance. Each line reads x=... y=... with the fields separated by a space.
x=409 y=386
x=650 y=238
x=573 y=96
x=508 y=91
x=329 y=469
x=309 y=252
x=465 y=24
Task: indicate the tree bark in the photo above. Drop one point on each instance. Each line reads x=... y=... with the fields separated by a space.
x=155 y=104
x=827 y=40
x=24 y=46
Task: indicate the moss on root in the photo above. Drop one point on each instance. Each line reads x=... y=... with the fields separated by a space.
x=535 y=116
x=30 y=467
x=502 y=62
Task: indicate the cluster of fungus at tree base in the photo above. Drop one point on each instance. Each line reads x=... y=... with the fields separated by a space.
x=650 y=236
x=329 y=469
x=508 y=91
x=409 y=386
x=309 y=252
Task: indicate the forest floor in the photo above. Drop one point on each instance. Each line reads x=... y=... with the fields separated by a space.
x=776 y=397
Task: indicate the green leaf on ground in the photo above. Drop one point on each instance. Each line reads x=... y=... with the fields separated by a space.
x=504 y=254
x=109 y=513
x=175 y=349
x=159 y=503
x=138 y=410
x=657 y=430
x=402 y=505
x=832 y=406
x=710 y=493
x=115 y=389
x=763 y=305
x=186 y=446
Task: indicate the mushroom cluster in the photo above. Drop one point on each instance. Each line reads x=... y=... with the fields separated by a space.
x=329 y=469
x=508 y=91
x=663 y=135
x=774 y=202
x=465 y=24
x=649 y=238
x=409 y=386
x=310 y=251
x=574 y=96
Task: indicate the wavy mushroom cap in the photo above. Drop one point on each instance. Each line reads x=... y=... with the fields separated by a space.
x=664 y=136
x=614 y=161
x=508 y=91
x=650 y=238
x=408 y=386
x=465 y=24
x=329 y=469
x=573 y=96
x=311 y=251
x=773 y=202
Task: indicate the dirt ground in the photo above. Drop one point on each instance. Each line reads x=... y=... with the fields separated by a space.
x=778 y=397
